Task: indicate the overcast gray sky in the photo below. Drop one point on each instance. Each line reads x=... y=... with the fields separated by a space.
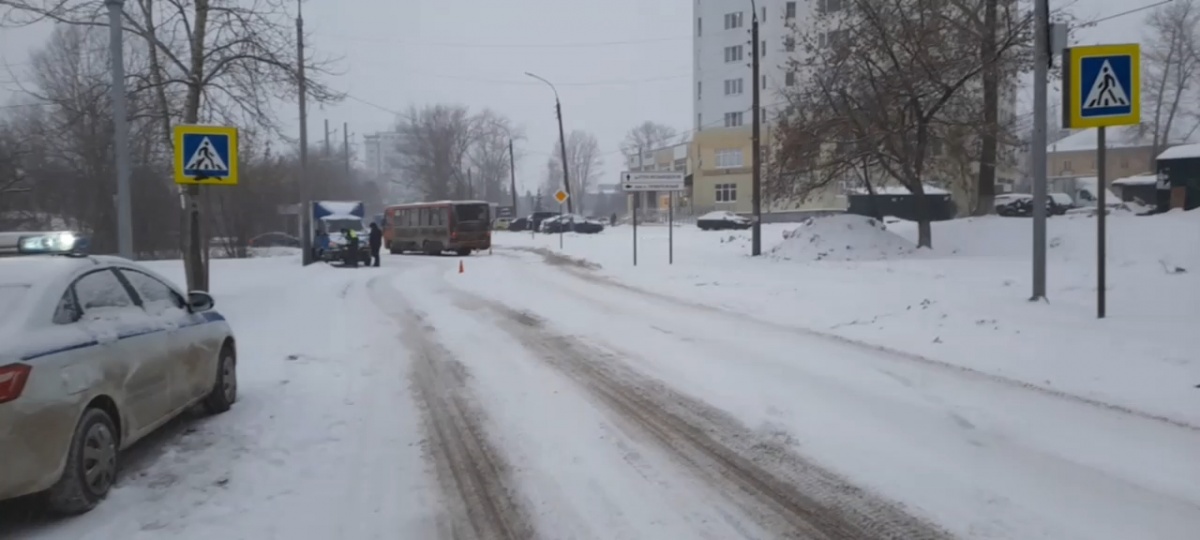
x=616 y=62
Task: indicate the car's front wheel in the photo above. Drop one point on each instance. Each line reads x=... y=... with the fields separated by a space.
x=91 y=468
x=224 y=392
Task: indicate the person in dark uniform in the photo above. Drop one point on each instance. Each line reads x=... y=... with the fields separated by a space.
x=376 y=243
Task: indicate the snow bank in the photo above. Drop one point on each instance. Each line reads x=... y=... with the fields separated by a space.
x=845 y=237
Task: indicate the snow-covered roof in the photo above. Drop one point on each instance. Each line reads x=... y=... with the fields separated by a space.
x=26 y=270
x=1138 y=180
x=1184 y=151
x=1116 y=137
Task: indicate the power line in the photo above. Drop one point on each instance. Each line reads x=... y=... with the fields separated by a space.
x=464 y=45
x=1124 y=13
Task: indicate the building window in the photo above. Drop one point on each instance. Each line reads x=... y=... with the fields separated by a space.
x=699 y=26
x=762 y=47
x=726 y=193
x=733 y=87
x=729 y=159
x=790 y=10
x=699 y=121
x=789 y=44
x=789 y=78
x=733 y=119
x=830 y=39
x=698 y=88
x=733 y=54
x=829 y=6
x=1066 y=165
x=764 y=82
x=733 y=20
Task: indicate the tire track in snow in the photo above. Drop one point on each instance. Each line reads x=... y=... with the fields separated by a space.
x=473 y=476
x=584 y=271
x=783 y=493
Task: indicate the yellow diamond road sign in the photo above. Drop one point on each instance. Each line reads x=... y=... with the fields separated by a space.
x=561 y=196
x=1102 y=86
x=206 y=155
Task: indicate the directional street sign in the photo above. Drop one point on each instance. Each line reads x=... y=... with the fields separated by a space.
x=652 y=181
x=561 y=196
x=1103 y=85
x=206 y=155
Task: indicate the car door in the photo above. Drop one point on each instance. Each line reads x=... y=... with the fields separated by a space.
x=131 y=342
x=192 y=358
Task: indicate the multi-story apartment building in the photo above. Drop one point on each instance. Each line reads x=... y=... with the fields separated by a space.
x=721 y=152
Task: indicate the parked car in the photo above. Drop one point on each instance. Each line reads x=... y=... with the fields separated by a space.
x=273 y=239
x=1019 y=205
x=519 y=224
x=536 y=219
x=572 y=223
x=1060 y=203
x=95 y=354
x=721 y=220
x=501 y=224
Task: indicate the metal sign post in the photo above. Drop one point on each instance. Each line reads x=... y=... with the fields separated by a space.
x=1102 y=87
x=670 y=227
x=560 y=196
x=636 y=183
x=637 y=197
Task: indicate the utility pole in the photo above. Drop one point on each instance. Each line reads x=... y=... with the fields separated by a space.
x=755 y=142
x=512 y=176
x=1041 y=67
x=562 y=142
x=470 y=188
x=327 y=154
x=120 y=128
x=346 y=146
x=305 y=210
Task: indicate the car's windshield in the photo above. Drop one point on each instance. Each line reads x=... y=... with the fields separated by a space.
x=336 y=225
x=471 y=212
x=11 y=295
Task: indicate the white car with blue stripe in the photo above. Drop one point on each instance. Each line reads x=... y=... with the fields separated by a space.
x=96 y=352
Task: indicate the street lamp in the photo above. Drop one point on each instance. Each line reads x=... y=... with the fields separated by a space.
x=120 y=128
x=562 y=140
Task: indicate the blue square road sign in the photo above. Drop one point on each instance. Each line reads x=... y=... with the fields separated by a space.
x=206 y=155
x=1106 y=85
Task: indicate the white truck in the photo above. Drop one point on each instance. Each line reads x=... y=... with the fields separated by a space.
x=330 y=219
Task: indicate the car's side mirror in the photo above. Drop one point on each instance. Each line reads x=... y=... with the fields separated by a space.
x=200 y=301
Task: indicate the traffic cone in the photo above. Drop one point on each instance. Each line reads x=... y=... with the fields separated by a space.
x=460 y=267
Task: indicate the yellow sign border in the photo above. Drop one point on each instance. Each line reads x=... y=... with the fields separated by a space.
x=180 y=160
x=564 y=198
x=1073 y=64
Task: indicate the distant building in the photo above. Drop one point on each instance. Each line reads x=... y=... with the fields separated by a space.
x=1130 y=152
x=671 y=158
x=380 y=157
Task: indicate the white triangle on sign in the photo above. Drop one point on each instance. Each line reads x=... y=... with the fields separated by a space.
x=1106 y=91
x=206 y=159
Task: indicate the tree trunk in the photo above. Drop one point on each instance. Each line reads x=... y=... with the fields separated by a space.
x=924 y=227
x=195 y=258
x=986 y=192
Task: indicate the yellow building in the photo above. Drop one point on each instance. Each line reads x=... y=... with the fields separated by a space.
x=722 y=176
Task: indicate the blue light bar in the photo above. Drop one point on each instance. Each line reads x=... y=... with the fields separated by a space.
x=62 y=242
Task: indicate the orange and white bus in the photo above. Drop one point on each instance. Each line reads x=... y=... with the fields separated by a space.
x=437 y=227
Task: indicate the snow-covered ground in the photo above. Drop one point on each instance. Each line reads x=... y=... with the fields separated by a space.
x=846 y=386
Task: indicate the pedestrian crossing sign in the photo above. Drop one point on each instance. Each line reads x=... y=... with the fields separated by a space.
x=1102 y=86
x=206 y=155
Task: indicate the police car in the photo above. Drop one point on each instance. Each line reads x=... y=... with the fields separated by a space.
x=96 y=352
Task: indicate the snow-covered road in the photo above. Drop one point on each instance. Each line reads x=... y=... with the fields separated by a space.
x=529 y=397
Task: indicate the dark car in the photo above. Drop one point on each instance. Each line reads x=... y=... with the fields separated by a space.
x=572 y=223
x=1021 y=205
x=722 y=220
x=519 y=224
x=274 y=239
x=536 y=219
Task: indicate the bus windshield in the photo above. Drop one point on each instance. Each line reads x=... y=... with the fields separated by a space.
x=471 y=212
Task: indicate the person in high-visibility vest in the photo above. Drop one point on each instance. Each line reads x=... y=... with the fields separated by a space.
x=352 y=254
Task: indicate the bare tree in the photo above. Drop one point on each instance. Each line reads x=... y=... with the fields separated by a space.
x=209 y=60
x=584 y=164
x=433 y=150
x=881 y=82
x=648 y=136
x=489 y=156
x=1172 y=57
